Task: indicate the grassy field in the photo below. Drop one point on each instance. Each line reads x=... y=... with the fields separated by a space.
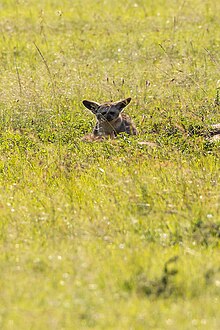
x=113 y=234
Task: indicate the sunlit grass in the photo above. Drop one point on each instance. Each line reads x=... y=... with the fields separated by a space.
x=117 y=234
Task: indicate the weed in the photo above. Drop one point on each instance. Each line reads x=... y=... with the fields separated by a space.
x=164 y=286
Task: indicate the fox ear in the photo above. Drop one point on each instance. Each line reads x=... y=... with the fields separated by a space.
x=120 y=105
x=92 y=106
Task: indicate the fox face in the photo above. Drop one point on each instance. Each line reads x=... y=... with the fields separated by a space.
x=110 y=120
x=107 y=111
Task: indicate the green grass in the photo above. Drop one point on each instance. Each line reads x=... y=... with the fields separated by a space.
x=113 y=234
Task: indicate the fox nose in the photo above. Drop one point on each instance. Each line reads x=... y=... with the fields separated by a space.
x=110 y=117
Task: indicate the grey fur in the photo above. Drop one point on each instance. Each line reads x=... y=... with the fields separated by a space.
x=110 y=119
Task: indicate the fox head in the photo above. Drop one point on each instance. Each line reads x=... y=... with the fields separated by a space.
x=109 y=111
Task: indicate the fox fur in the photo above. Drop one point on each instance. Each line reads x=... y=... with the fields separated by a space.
x=110 y=121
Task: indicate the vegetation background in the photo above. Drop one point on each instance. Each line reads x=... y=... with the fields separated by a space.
x=118 y=234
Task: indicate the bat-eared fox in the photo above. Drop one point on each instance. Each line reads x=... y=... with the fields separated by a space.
x=110 y=119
